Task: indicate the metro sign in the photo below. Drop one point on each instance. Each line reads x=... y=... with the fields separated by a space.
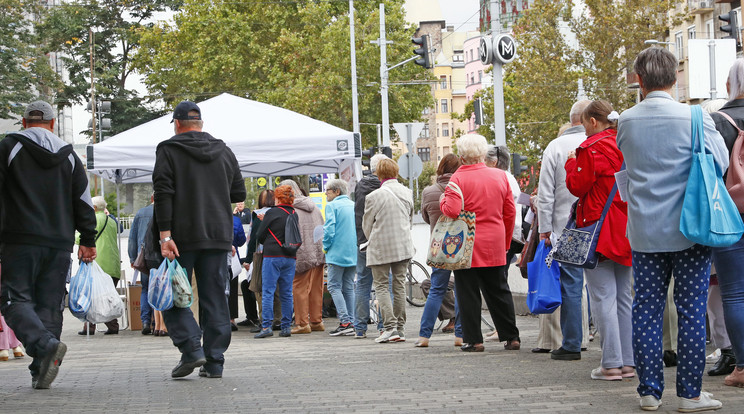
x=504 y=48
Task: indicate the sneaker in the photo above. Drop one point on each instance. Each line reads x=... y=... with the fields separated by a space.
x=343 y=328
x=607 y=374
x=384 y=337
x=704 y=403
x=563 y=355
x=360 y=335
x=398 y=336
x=650 y=403
x=50 y=366
x=285 y=333
x=264 y=333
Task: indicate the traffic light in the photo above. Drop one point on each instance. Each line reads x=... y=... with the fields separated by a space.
x=517 y=167
x=478 y=110
x=424 y=51
x=366 y=158
x=732 y=28
x=388 y=152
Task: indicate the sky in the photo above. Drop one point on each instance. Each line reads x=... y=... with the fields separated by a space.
x=463 y=14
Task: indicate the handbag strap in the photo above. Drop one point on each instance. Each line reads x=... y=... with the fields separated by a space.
x=731 y=121
x=400 y=202
x=698 y=139
x=456 y=189
x=611 y=197
x=102 y=228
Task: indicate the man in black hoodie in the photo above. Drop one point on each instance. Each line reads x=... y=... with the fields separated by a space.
x=196 y=178
x=39 y=170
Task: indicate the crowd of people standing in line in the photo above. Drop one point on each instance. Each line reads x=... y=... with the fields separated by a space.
x=367 y=243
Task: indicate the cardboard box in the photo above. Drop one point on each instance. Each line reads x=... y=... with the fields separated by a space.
x=133 y=307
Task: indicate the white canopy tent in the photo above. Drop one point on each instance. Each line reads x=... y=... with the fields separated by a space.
x=267 y=141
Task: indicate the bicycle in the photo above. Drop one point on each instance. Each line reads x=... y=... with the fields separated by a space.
x=416 y=274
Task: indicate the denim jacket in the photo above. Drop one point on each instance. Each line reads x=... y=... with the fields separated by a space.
x=655 y=139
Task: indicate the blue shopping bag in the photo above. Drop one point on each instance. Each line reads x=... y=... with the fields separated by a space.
x=544 y=283
x=80 y=292
x=709 y=215
x=160 y=291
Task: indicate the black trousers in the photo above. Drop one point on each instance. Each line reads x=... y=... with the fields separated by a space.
x=492 y=282
x=249 y=302
x=233 y=298
x=210 y=268
x=32 y=291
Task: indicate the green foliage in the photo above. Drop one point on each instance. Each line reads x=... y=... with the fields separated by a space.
x=291 y=54
x=111 y=205
x=115 y=25
x=25 y=74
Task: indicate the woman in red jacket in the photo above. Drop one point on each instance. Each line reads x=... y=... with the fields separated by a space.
x=590 y=176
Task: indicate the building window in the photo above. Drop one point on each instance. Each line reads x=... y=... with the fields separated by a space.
x=438 y=132
x=457 y=57
x=445 y=150
x=426 y=111
x=691 y=32
x=443 y=82
x=445 y=108
x=679 y=45
x=480 y=76
x=436 y=107
x=425 y=131
x=424 y=153
x=445 y=130
x=472 y=78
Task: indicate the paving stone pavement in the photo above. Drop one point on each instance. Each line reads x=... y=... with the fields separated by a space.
x=313 y=373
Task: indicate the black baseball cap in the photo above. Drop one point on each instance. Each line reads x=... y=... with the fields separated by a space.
x=182 y=111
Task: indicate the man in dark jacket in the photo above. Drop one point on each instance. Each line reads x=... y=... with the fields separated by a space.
x=39 y=170
x=363 y=286
x=196 y=177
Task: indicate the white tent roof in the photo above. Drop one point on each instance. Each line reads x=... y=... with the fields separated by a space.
x=267 y=140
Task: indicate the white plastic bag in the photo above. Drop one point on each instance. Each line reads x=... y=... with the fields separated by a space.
x=105 y=302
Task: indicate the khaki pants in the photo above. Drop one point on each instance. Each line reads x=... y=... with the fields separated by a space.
x=393 y=312
x=307 y=292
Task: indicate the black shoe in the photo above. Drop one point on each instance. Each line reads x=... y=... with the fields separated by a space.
x=563 y=355
x=206 y=374
x=256 y=329
x=49 y=367
x=111 y=332
x=187 y=366
x=85 y=332
x=233 y=327
x=342 y=329
x=245 y=323
x=540 y=350
x=670 y=359
x=146 y=331
x=276 y=327
x=725 y=365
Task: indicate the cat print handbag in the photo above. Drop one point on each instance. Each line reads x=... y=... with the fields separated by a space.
x=451 y=244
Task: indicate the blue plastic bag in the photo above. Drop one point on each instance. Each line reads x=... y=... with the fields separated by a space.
x=544 y=283
x=709 y=215
x=160 y=291
x=80 y=292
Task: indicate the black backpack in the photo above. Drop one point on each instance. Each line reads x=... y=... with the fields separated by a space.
x=292 y=236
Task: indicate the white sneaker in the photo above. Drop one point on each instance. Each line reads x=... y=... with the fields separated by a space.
x=650 y=403
x=384 y=337
x=713 y=357
x=398 y=336
x=705 y=403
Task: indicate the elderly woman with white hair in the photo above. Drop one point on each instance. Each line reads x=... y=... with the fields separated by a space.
x=108 y=256
x=486 y=192
x=339 y=245
x=729 y=261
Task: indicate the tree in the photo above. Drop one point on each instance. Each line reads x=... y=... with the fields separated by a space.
x=114 y=24
x=290 y=54
x=25 y=73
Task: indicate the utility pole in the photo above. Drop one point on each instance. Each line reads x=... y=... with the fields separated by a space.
x=354 y=98
x=499 y=120
x=93 y=106
x=382 y=42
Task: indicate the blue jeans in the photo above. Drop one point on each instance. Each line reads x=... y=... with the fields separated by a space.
x=145 y=308
x=572 y=283
x=439 y=283
x=729 y=264
x=341 y=288
x=277 y=273
x=652 y=273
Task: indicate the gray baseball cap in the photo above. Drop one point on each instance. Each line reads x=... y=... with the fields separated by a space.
x=47 y=113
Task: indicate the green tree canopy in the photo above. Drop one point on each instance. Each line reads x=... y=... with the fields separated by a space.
x=290 y=54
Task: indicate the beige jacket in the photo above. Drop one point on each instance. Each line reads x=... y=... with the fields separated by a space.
x=388 y=215
x=310 y=254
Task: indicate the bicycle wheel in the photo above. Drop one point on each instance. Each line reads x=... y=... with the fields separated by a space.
x=416 y=274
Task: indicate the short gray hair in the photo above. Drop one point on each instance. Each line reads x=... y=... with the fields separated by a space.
x=498 y=156
x=736 y=79
x=577 y=109
x=375 y=160
x=339 y=185
x=472 y=147
x=99 y=203
x=657 y=68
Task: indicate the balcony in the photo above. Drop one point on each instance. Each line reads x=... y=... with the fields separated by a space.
x=700 y=6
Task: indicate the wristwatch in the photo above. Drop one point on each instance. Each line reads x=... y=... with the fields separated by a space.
x=165 y=240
